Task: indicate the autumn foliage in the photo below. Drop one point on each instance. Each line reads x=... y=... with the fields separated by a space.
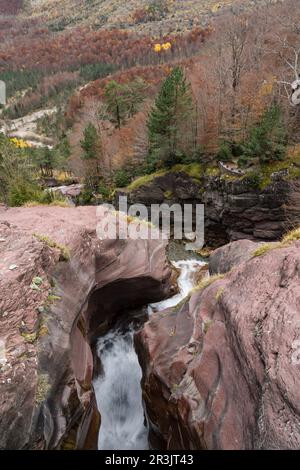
x=41 y=49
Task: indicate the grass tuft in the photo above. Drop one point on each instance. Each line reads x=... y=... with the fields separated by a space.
x=59 y=203
x=263 y=249
x=289 y=238
x=207 y=281
x=292 y=236
x=43 y=388
x=30 y=337
x=219 y=293
x=64 y=250
x=145 y=180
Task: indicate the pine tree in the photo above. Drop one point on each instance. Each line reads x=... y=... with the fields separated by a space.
x=45 y=160
x=268 y=140
x=90 y=142
x=48 y=162
x=62 y=152
x=123 y=100
x=170 y=120
x=92 y=155
x=116 y=99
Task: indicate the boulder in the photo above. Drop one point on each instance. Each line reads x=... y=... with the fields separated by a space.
x=60 y=287
x=222 y=370
x=71 y=191
x=223 y=259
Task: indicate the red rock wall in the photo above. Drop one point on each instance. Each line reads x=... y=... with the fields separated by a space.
x=219 y=372
x=46 y=394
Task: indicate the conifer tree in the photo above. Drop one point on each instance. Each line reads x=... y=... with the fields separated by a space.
x=92 y=155
x=123 y=100
x=170 y=121
x=268 y=140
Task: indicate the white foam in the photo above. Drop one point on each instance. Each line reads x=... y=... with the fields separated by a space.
x=118 y=390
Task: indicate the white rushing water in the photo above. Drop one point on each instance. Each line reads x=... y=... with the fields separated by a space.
x=118 y=389
x=118 y=394
x=186 y=281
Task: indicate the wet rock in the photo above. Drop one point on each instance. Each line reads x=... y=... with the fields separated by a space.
x=222 y=370
x=46 y=366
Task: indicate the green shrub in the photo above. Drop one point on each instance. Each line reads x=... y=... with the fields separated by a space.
x=64 y=250
x=175 y=158
x=104 y=190
x=91 y=72
x=86 y=196
x=21 y=191
x=254 y=179
x=268 y=140
x=157 y=10
x=197 y=155
x=54 y=198
x=243 y=161
x=229 y=150
x=225 y=152
x=122 y=178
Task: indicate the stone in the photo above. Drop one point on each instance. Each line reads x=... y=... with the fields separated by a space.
x=47 y=399
x=234 y=209
x=223 y=259
x=222 y=370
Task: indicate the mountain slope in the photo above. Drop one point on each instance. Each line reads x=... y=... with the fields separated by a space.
x=151 y=17
x=10 y=7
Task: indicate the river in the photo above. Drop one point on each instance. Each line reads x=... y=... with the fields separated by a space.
x=118 y=388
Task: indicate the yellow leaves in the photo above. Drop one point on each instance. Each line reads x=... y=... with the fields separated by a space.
x=19 y=143
x=267 y=87
x=166 y=46
x=216 y=7
x=162 y=47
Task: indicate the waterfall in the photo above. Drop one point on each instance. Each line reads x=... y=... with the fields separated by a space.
x=118 y=389
x=118 y=394
x=186 y=281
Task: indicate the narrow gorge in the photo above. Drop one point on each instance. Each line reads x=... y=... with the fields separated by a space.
x=118 y=388
x=149 y=231
x=209 y=371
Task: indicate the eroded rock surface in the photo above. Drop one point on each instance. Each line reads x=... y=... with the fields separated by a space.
x=59 y=284
x=222 y=371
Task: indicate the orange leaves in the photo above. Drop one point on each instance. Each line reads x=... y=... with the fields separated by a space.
x=73 y=48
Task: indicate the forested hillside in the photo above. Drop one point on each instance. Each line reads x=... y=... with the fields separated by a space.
x=134 y=94
x=149 y=228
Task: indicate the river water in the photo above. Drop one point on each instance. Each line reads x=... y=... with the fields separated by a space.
x=118 y=388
